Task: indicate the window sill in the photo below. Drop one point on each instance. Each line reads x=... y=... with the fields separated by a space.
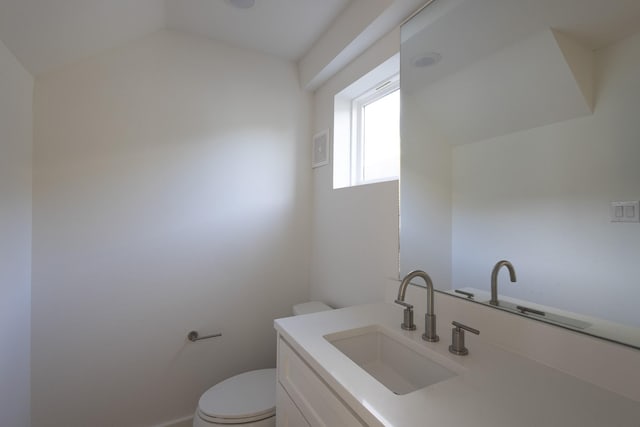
x=367 y=183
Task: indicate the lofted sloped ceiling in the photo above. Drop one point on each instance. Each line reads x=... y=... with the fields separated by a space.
x=47 y=34
x=320 y=35
x=283 y=28
x=492 y=54
x=485 y=99
x=451 y=27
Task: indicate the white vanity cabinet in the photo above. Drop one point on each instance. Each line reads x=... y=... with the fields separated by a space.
x=287 y=413
x=303 y=398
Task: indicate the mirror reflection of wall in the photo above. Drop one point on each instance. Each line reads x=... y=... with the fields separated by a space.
x=517 y=136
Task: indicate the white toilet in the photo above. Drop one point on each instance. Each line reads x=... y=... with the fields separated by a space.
x=247 y=399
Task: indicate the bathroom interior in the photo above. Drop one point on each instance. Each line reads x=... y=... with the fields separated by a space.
x=156 y=179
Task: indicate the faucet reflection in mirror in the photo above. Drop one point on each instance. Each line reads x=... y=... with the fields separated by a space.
x=494 y=279
x=515 y=143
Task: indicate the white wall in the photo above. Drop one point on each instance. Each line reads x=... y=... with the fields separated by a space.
x=355 y=229
x=541 y=197
x=171 y=192
x=16 y=101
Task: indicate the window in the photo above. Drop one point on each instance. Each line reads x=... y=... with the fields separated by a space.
x=375 y=142
x=366 y=128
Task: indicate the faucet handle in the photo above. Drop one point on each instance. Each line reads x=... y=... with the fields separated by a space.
x=457 y=338
x=407 y=324
x=406 y=305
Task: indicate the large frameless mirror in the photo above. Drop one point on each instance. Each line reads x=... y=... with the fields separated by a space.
x=521 y=142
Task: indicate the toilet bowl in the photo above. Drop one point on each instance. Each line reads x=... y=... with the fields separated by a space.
x=247 y=399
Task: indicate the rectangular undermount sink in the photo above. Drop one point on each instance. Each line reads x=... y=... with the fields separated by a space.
x=393 y=363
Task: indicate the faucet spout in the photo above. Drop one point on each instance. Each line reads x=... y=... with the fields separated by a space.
x=430 y=317
x=427 y=280
x=494 y=279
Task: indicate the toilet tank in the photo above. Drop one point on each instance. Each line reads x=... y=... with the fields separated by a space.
x=309 y=307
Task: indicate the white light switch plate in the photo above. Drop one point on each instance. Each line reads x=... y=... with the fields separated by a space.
x=625 y=211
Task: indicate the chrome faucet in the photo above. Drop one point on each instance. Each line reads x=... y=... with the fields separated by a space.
x=494 y=279
x=429 y=317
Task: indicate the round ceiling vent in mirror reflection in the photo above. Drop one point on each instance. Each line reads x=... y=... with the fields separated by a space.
x=426 y=59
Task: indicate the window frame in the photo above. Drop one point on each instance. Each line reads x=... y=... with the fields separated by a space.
x=342 y=124
x=357 y=149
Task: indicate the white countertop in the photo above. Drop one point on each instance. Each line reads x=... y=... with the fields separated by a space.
x=493 y=387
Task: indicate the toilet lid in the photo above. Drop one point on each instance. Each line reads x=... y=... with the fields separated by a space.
x=245 y=395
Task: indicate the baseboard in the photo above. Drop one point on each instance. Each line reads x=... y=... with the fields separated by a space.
x=180 y=422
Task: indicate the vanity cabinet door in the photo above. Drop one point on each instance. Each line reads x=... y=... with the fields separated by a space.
x=319 y=405
x=287 y=413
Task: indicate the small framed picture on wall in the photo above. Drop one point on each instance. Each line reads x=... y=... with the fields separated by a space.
x=320 y=149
